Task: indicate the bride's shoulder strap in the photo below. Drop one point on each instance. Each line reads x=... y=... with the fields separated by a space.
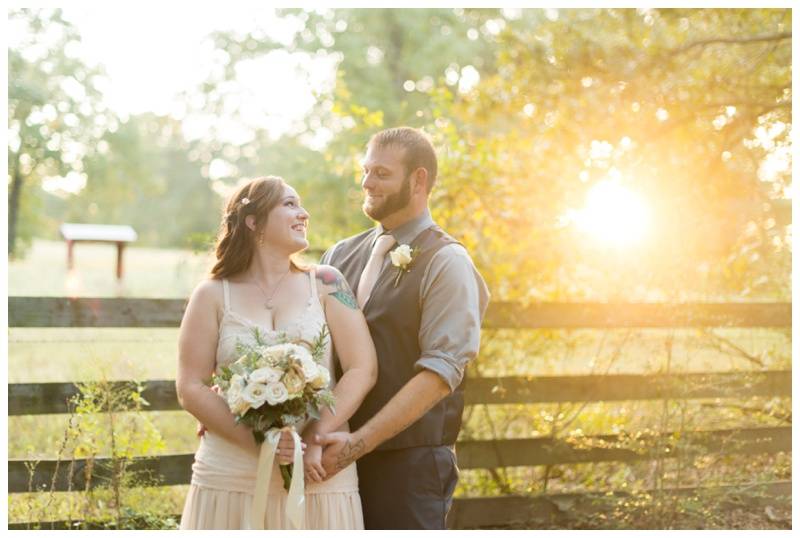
x=226 y=295
x=312 y=274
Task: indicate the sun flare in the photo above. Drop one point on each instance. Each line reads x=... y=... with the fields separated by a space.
x=613 y=215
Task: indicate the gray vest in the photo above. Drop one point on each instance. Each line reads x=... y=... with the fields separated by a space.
x=394 y=315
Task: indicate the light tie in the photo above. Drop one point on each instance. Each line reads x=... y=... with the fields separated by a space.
x=373 y=268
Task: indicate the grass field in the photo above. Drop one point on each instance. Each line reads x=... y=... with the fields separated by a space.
x=148 y=272
x=42 y=355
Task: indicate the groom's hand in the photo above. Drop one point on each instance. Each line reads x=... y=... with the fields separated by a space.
x=340 y=449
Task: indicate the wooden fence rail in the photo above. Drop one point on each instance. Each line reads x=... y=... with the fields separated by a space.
x=541 y=510
x=559 y=510
x=52 y=398
x=175 y=469
x=115 y=312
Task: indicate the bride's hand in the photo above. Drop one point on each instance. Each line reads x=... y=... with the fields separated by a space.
x=312 y=463
x=286 y=448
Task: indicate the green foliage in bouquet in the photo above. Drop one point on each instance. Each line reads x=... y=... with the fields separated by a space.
x=278 y=385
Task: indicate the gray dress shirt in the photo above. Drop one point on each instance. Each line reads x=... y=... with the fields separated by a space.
x=453 y=298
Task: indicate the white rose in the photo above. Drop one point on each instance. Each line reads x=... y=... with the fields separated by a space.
x=401 y=256
x=310 y=368
x=276 y=393
x=265 y=375
x=267 y=357
x=236 y=403
x=322 y=379
x=237 y=385
x=300 y=353
x=255 y=394
x=279 y=351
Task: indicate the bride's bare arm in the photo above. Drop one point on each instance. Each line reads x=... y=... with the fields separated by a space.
x=197 y=346
x=354 y=347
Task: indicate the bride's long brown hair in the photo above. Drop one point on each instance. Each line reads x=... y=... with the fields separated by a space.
x=236 y=243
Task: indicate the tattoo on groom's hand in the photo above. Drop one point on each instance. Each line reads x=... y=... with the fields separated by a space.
x=349 y=453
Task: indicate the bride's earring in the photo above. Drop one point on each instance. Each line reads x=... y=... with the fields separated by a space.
x=261 y=239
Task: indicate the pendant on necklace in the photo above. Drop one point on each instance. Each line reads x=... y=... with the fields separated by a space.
x=268 y=305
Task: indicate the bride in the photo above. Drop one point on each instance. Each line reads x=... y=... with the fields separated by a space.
x=256 y=284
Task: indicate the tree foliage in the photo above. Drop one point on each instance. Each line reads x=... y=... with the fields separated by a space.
x=682 y=106
x=54 y=110
x=530 y=110
x=387 y=63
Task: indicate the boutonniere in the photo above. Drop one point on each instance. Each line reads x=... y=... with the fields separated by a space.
x=402 y=258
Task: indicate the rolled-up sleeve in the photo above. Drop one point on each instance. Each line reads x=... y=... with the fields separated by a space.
x=453 y=297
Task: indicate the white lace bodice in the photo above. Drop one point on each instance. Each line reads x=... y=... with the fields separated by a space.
x=235 y=328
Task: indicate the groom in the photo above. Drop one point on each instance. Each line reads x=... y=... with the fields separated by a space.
x=424 y=312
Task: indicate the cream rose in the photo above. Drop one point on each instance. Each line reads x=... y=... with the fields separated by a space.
x=265 y=375
x=267 y=357
x=294 y=383
x=255 y=394
x=300 y=353
x=237 y=404
x=236 y=386
x=279 y=351
x=277 y=393
x=401 y=256
x=309 y=368
x=322 y=379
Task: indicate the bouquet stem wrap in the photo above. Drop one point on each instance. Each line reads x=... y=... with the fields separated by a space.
x=295 y=503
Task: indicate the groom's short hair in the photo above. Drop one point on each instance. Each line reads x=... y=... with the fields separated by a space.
x=419 y=150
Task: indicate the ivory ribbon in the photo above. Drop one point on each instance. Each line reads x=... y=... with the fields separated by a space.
x=295 y=502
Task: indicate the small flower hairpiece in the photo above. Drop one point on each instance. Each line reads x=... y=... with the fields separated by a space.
x=245 y=201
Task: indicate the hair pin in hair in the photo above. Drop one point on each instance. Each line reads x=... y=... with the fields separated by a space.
x=245 y=201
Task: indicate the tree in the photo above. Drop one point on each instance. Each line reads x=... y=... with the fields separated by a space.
x=54 y=108
x=387 y=63
x=683 y=106
x=147 y=163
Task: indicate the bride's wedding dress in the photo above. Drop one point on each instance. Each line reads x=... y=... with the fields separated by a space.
x=223 y=475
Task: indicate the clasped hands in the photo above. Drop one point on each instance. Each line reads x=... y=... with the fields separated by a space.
x=323 y=456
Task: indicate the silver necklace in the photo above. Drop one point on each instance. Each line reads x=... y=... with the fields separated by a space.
x=268 y=304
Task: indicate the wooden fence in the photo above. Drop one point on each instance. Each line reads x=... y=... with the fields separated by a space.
x=47 y=398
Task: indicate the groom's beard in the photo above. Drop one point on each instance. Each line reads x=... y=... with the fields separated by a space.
x=391 y=203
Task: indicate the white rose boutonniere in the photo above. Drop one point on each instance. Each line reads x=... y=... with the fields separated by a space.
x=402 y=258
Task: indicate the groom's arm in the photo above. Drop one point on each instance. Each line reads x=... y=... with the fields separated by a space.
x=454 y=299
x=412 y=401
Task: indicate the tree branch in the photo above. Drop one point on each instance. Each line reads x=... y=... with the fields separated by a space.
x=732 y=40
x=741 y=352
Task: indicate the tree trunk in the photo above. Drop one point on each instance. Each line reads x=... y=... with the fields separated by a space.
x=13 y=205
x=393 y=56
